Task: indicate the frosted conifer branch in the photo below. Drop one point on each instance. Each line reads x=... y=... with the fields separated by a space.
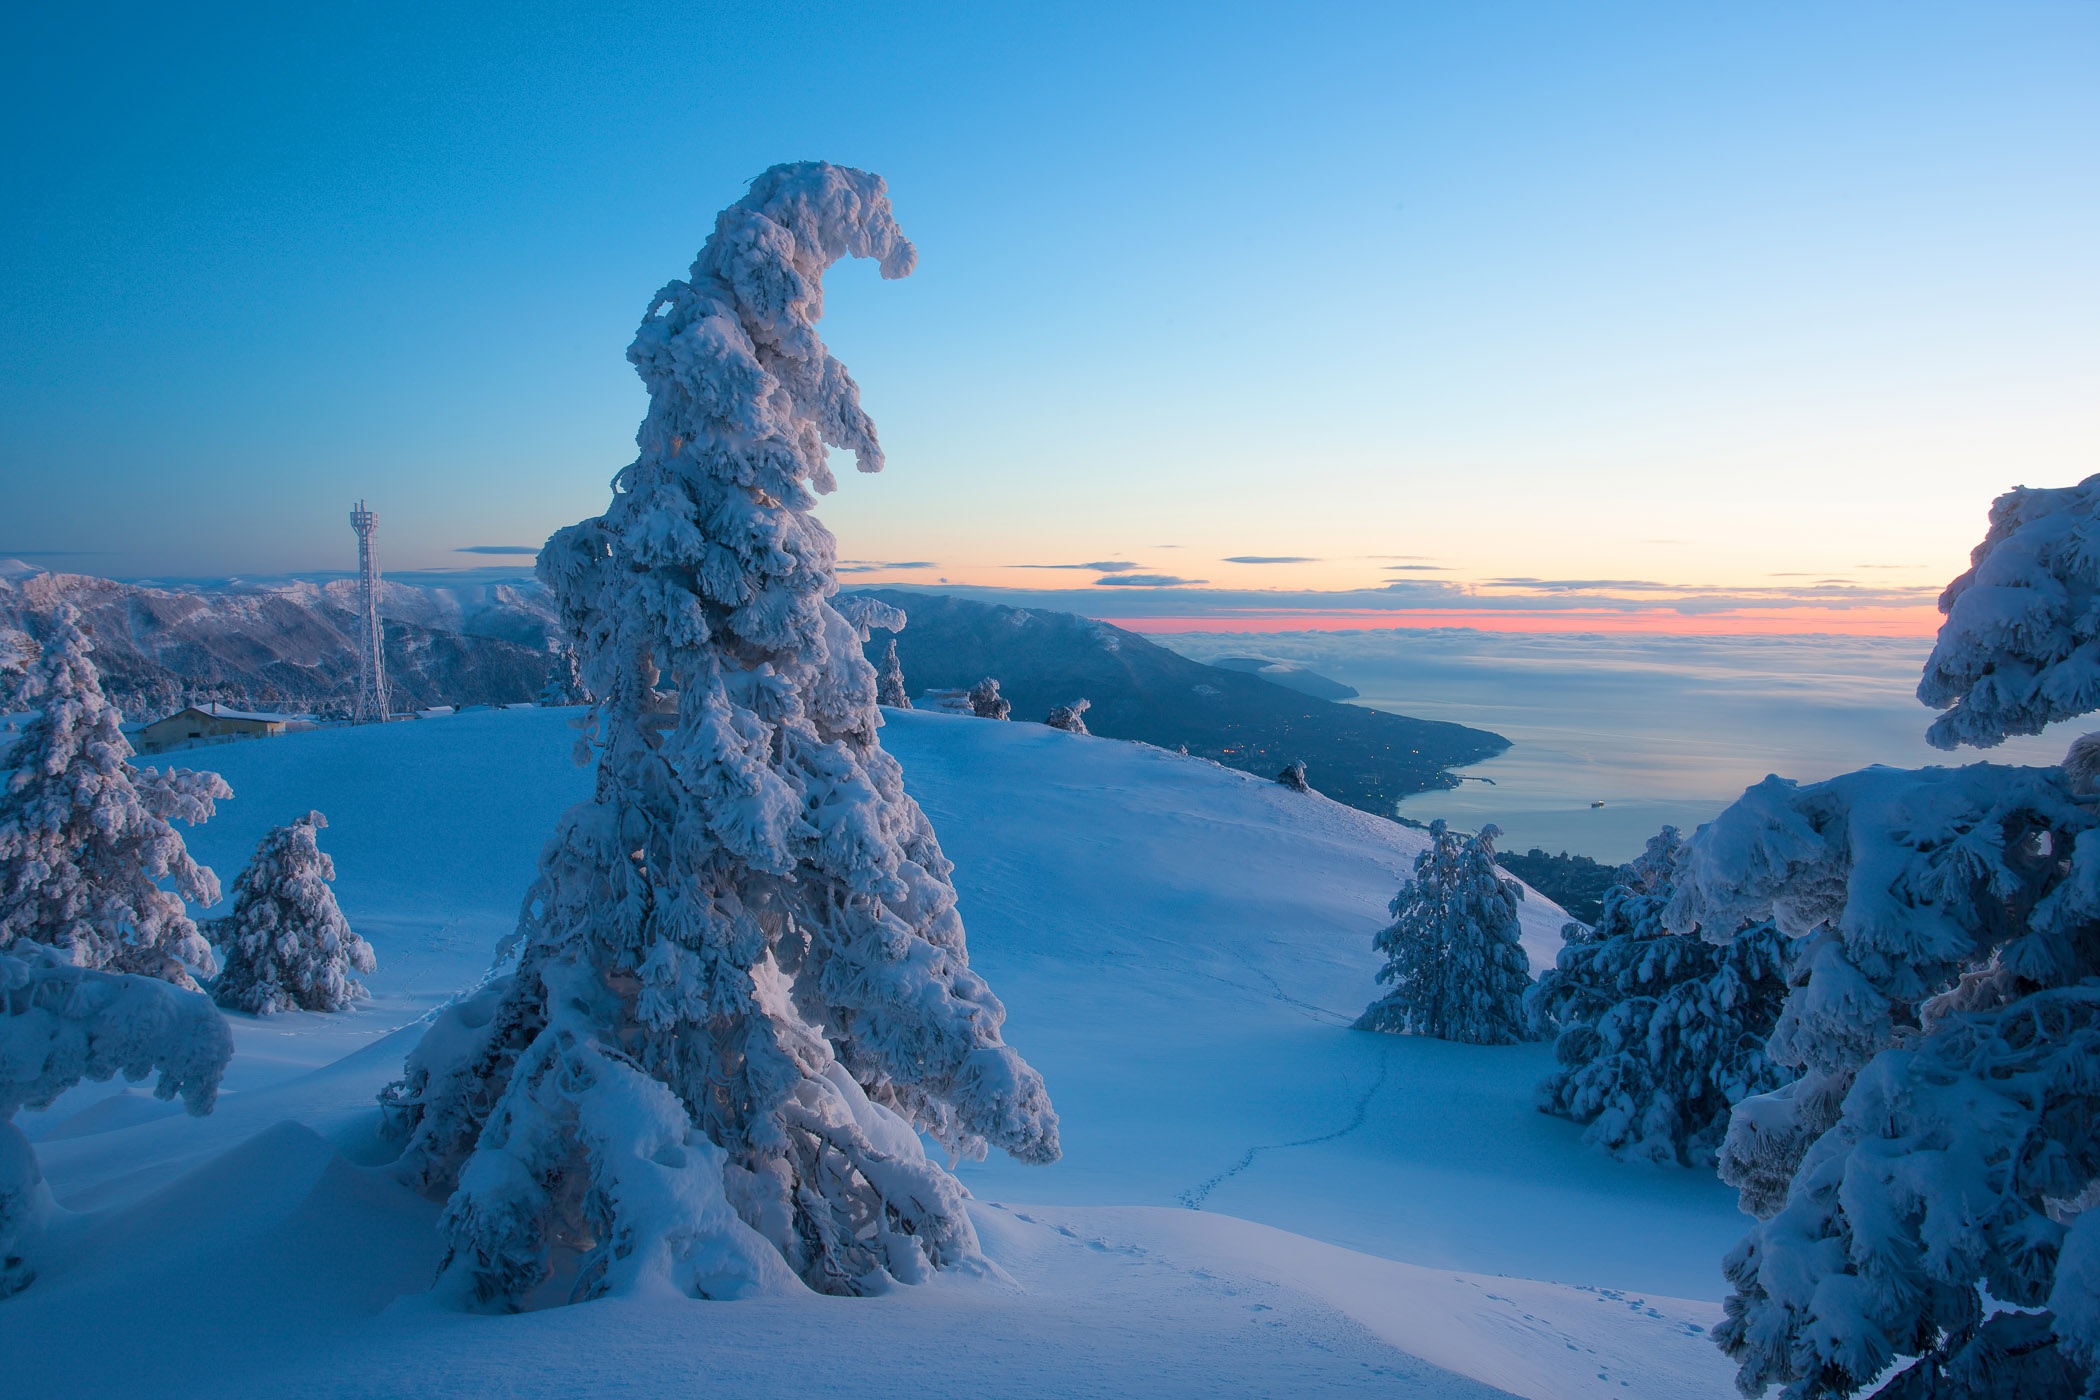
x=2020 y=648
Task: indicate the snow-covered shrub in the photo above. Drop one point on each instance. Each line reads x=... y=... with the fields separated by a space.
x=1661 y=1034
x=741 y=981
x=1452 y=953
x=286 y=945
x=85 y=840
x=946 y=702
x=1292 y=776
x=60 y=1024
x=987 y=703
x=889 y=681
x=1070 y=718
x=1927 y=1186
x=2020 y=648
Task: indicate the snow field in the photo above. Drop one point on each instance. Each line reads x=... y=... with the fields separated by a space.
x=1181 y=948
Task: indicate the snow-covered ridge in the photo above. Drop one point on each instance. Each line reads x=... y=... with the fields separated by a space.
x=283 y=643
x=1180 y=947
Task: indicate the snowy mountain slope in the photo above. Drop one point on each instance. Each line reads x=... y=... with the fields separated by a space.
x=284 y=644
x=1180 y=947
x=1142 y=690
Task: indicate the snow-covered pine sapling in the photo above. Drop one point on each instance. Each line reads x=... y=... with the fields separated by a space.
x=1927 y=1188
x=987 y=703
x=1457 y=969
x=867 y=615
x=60 y=1024
x=286 y=946
x=85 y=837
x=564 y=679
x=889 y=681
x=1661 y=1034
x=1292 y=776
x=741 y=987
x=1070 y=718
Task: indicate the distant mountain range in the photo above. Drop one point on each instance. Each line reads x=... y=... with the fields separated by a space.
x=1244 y=719
x=285 y=644
x=488 y=637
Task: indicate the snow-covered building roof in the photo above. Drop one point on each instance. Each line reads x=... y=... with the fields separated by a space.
x=218 y=711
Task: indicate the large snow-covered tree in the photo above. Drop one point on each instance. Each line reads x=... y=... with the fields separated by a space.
x=89 y=863
x=741 y=981
x=1661 y=1034
x=285 y=944
x=60 y=1024
x=1457 y=969
x=1927 y=1187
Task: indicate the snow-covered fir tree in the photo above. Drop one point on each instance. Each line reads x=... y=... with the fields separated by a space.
x=889 y=681
x=60 y=1024
x=1927 y=1188
x=285 y=946
x=987 y=703
x=1452 y=953
x=1661 y=1034
x=89 y=863
x=1070 y=718
x=1292 y=776
x=741 y=982
x=564 y=679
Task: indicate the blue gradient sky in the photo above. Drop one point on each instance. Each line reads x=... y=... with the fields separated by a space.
x=1711 y=296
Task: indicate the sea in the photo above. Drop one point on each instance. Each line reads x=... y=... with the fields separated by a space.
x=1614 y=736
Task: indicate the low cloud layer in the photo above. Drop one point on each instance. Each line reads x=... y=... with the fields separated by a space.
x=1145 y=581
x=877 y=566
x=1638 y=604
x=497 y=549
x=1272 y=559
x=1098 y=566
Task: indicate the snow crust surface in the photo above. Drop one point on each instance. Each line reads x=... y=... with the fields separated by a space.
x=1253 y=1198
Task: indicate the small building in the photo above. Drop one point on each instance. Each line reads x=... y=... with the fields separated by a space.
x=206 y=724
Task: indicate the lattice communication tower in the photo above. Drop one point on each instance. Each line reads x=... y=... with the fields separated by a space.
x=371 y=706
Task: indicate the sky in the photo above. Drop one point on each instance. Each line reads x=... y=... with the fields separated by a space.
x=1613 y=316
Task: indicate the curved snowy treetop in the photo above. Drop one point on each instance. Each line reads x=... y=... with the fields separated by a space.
x=736 y=344
x=2020 y=647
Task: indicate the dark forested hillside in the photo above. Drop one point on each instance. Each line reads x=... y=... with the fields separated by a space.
x=1366 y=758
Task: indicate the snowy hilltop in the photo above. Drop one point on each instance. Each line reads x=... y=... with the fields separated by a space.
x=1228 y=1221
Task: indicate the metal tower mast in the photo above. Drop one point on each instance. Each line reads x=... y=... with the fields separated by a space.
x=371 y=706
